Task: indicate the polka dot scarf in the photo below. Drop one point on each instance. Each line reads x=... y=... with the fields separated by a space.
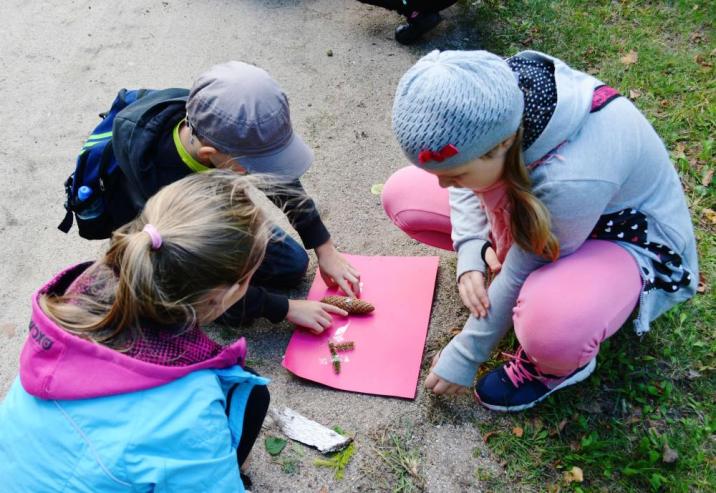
x=536 y=80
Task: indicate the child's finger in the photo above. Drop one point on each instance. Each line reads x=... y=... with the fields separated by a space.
x=334 y=309
x=431 y=381
x=473 y=302
x=346 y=288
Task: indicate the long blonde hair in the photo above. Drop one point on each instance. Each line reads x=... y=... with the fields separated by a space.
x=530 y=220
x=213 y=234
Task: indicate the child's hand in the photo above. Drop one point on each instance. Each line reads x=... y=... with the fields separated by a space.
x=313 y=315
x=336 y=270
x=472 y=287
x=473 y=293
x=443 y=387
x=440 y=386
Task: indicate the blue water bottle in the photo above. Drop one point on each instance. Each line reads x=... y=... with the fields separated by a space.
x=89 y=209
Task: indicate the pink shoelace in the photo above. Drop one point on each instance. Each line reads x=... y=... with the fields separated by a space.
x=516 y=370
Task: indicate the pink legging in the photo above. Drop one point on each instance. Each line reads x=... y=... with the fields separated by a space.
x=559 y=327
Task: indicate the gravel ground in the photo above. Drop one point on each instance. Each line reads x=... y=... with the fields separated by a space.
x=62 y=63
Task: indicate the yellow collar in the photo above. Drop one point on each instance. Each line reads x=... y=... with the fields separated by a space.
x=187 y=158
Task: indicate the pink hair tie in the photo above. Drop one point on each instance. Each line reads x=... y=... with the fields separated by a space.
x=154 y=235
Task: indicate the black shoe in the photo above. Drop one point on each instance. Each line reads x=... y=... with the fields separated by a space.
x=418 y=24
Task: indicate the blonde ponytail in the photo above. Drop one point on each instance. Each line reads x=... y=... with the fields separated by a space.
x=213 y=234
x=529 y=220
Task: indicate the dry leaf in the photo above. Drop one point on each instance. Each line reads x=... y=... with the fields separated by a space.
x=488 y=435
x=669 y=455
x=634 y=93
x=696 y=37
x=8 y=329
x=574 y=475
x=455 y=331
x=693 y=375
x=701 y=60
x=518 y=431
x=701 y=288
x=710 y=215
x=708 y=176
x=324 y=489
x=630 y=58
x=679 y=152
x=553 y=488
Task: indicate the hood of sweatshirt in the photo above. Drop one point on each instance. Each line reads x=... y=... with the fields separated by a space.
x=55 y=364
x=136 y=131
x=574 y=102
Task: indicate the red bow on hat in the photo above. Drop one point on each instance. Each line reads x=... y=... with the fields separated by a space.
x=446 y=152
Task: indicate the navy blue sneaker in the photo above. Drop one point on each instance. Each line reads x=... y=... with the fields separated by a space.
x=518 y=385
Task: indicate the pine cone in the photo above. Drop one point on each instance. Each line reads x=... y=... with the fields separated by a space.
x=354 y=306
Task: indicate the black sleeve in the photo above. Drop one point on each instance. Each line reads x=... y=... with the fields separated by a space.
x=302 y=214
x=261 y=303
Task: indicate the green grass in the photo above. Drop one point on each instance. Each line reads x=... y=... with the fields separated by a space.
x=658 y=391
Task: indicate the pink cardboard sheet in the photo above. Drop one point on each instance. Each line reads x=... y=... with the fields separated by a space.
x=388 y=342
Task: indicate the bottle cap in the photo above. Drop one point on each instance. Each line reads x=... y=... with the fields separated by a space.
x=84 y=193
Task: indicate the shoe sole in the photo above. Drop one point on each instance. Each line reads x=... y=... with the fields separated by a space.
x=576 y=378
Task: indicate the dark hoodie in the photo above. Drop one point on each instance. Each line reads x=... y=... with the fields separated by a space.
x=143 y=145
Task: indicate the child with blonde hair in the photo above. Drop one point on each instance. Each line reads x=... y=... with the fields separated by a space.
x=119 y=387
x=560 y=187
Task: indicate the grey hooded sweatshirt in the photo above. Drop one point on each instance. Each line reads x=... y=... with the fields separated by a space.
x=610 y=162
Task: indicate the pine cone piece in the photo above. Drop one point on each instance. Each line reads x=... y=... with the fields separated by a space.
x=354 y=306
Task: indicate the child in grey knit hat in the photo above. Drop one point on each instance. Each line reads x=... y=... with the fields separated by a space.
x=547 y=186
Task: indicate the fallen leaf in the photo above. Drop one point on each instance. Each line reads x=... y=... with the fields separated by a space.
x=488 y=435
x=553 y=488
x=701 y=288
x=634 y=93
x=679 y=152
x=8 y=329
x=630 y=58
x=708 y=176
x=518 y=431
x=669 y=455
x=274 y=445
x=376 y=189
x=693 y=375
x=696 y=37
x=664 y=103
x=710 y=215
x=454 y=331
x=574 y=475
x=701 y=60
x=324 y=489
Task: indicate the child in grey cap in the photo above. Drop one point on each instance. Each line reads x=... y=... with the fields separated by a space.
x=234 y=117
x=562 y=189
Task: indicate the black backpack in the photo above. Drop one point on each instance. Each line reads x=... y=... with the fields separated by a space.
x=89 y=187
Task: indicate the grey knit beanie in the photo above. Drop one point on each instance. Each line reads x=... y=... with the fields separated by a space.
x=455 y=106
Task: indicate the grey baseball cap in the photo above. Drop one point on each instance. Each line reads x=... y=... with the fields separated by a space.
x=239 y=109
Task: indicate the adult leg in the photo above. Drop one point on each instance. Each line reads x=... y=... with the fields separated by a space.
x=414 y=201
x=564 y=312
